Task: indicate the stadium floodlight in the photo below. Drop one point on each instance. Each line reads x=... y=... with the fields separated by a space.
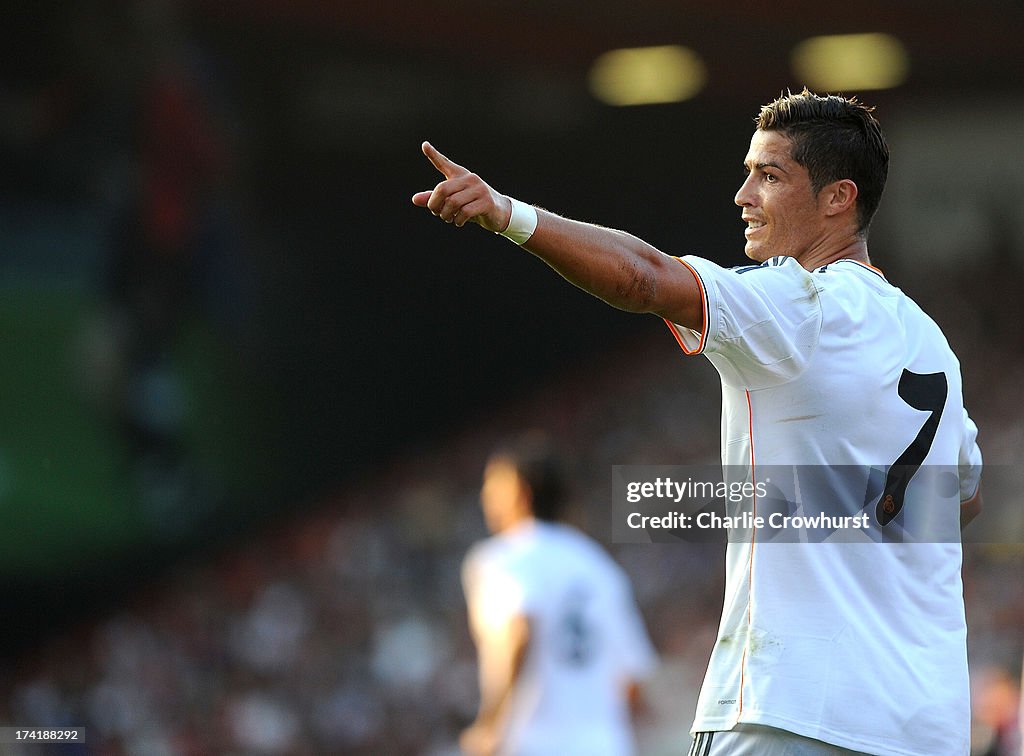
x=845 y=62
x=647 y=75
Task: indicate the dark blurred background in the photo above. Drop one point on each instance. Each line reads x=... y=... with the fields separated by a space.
x=246 y=388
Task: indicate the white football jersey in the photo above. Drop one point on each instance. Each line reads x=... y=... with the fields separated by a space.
x=860 y=644
x=587 y=639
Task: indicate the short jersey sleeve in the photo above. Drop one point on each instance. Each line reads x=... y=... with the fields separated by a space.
x=761 y=322
x=494 y=594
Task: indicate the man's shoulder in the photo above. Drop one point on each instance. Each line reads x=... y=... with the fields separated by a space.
x=588 y=551
x=487 y=551
x=785 y=262
x=509 y=548
x=780 y=275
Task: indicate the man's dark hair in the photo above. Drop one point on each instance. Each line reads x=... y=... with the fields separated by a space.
x=534 y=457
x=833 y=138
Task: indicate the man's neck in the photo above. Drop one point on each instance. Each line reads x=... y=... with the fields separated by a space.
x=853 y=248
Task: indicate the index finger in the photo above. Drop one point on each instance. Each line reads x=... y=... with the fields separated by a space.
x=443 y=164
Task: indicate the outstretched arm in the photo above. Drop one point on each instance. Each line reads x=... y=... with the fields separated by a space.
x=624 y=271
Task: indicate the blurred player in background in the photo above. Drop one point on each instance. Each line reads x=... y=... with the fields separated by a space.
x=823 y=648
x=561 y=645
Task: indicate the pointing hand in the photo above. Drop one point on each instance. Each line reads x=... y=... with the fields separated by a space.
x=463 y=196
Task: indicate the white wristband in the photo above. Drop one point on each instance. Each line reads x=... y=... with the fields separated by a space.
x=522 y=223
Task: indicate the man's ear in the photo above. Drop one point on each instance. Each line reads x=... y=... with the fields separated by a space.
x=839 y=196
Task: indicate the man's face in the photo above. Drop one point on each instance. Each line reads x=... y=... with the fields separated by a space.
x=778 y=203
x=503 y=496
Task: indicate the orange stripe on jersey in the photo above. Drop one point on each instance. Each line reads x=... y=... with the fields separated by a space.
x=743 y=668
x=868 y=265
x=704 y=312
x=753 y=538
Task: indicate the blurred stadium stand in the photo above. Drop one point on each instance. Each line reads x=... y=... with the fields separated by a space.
x=247 y=388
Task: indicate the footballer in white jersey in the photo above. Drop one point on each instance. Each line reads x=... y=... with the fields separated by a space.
x=856 y=646
x=561 y=644
x=861 y=645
